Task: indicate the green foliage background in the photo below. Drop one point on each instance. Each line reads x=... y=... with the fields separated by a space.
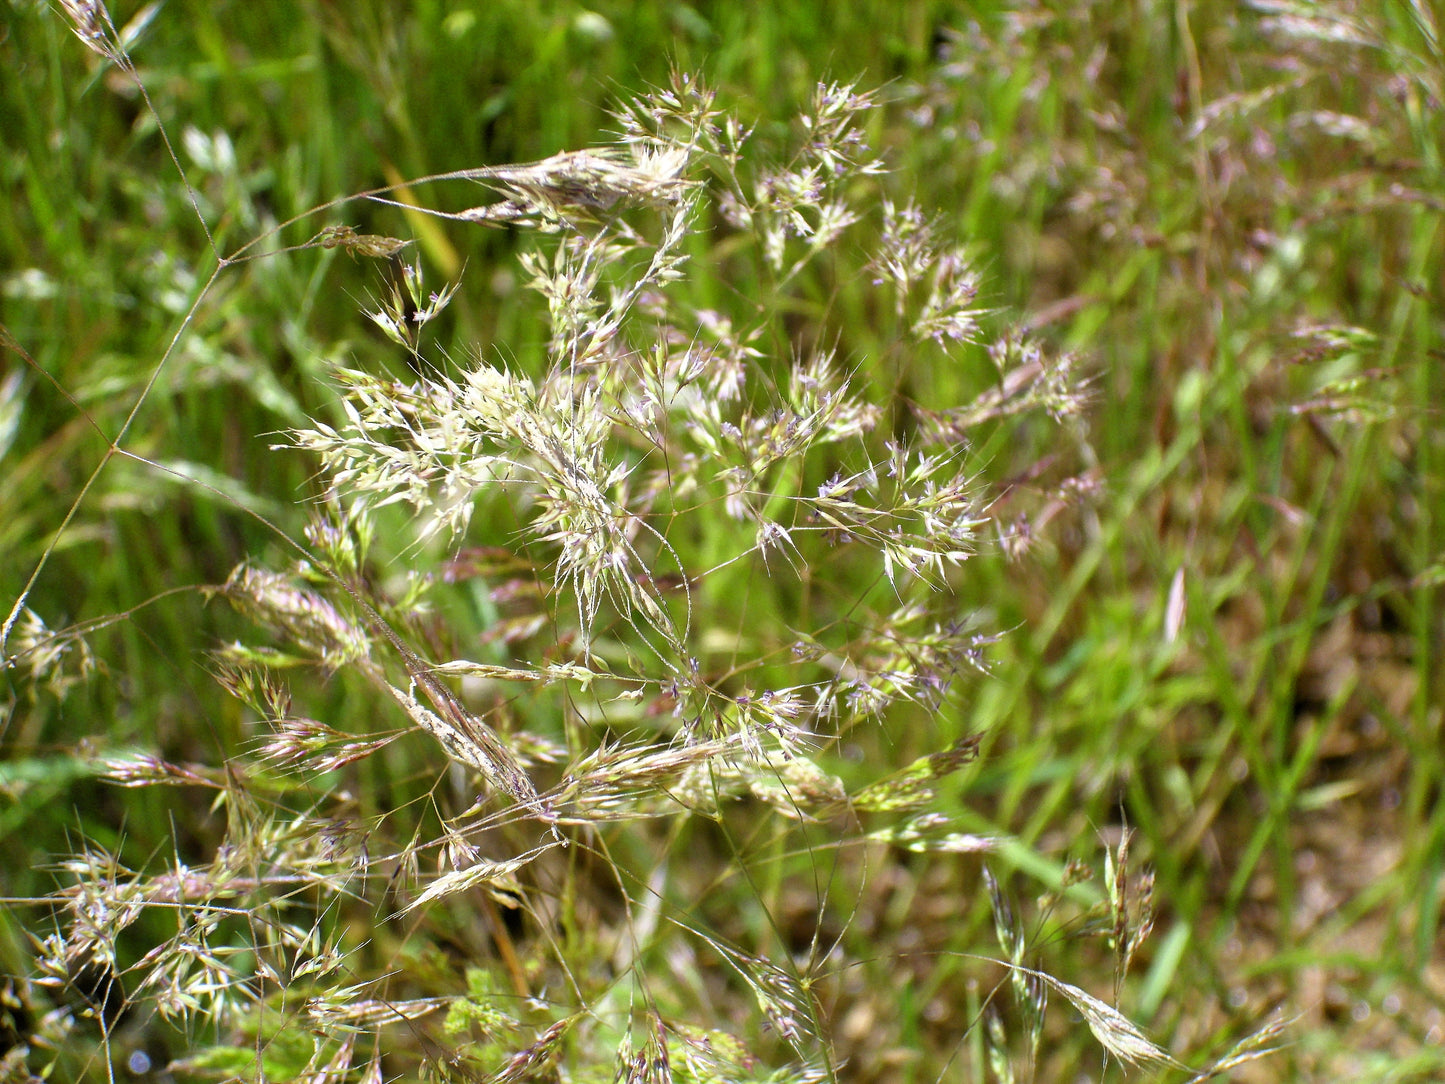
x=1234 y=645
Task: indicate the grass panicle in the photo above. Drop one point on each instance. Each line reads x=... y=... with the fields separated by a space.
x=678 y=622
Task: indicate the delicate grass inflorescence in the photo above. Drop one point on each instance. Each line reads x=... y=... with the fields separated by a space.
x=647 y=697
x=666 y=460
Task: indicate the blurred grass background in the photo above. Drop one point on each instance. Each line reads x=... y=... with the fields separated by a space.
x=1232 y=212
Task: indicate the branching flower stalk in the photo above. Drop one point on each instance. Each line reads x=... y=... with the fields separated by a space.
x=667 y=459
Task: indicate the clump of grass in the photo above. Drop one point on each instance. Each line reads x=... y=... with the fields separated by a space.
x=737 y=556
x=573 y=728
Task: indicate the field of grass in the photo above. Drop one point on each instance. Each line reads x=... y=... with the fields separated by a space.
x=917 y=558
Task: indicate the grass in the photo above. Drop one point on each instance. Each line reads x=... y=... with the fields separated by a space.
x=1193 y=797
